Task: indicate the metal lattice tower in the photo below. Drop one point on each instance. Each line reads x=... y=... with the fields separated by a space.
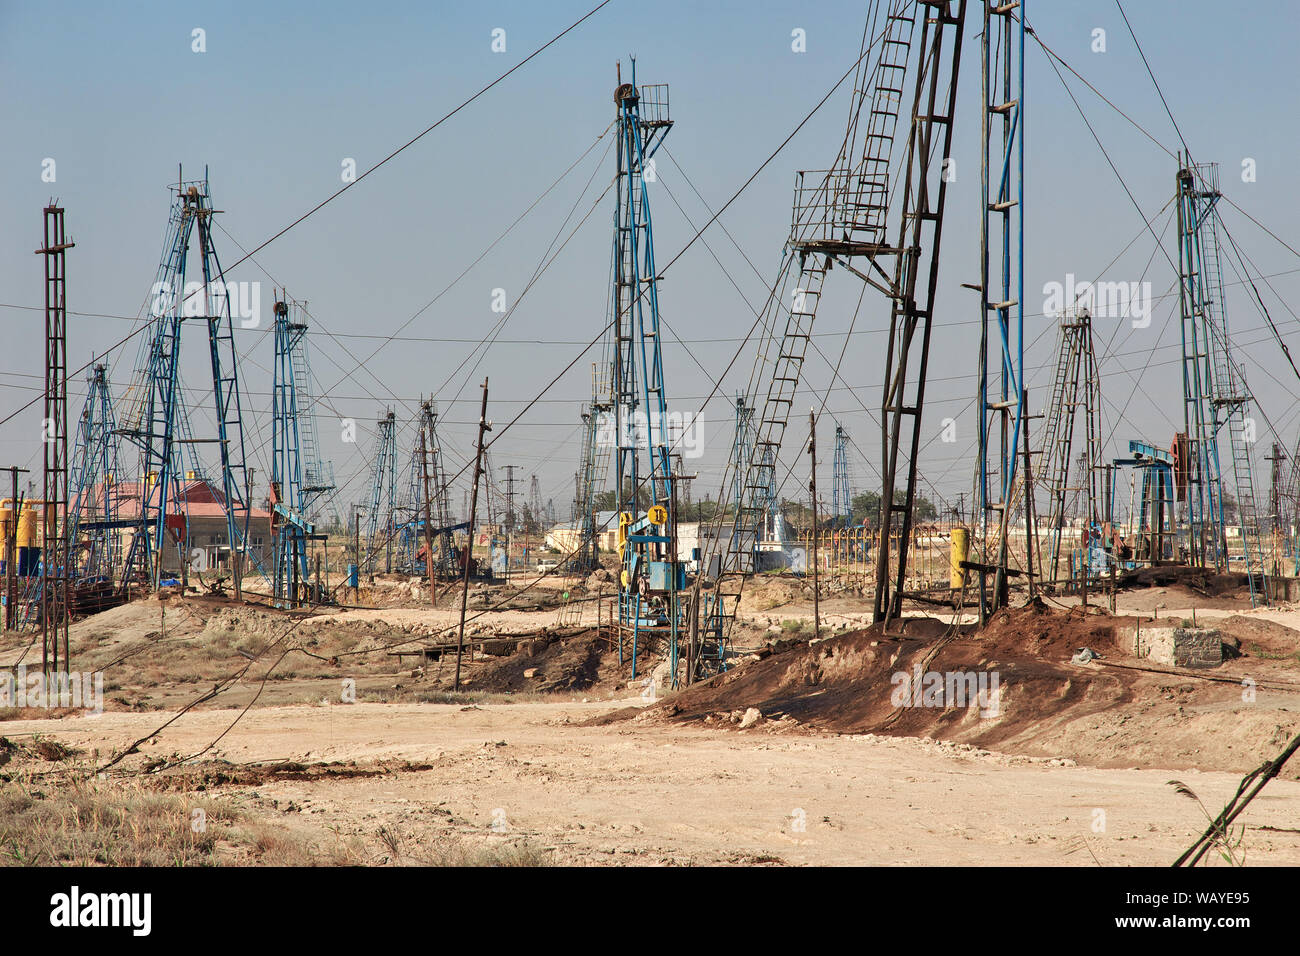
x=837 y=214
x=96 y=468
x=649 y=600
x=288 y=494
x=54 y=581
x=1076 y=392
x=381 y=516
x=439 y=493
x=535 y=513
x=841 y=496
x=1001 y=290
x=741 y=446
x=841 y=217
x=155 y=414
x=916 y=275
x=597 y=445
x=317 y=474
x=512 y=516
x=640 y=404
x=1214 y=392
x=410 y=513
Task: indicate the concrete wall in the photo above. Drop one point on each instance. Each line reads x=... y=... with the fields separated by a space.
x=1173 y=645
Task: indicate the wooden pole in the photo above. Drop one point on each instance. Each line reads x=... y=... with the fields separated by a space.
x=1030 y=539
x=812 y=490
x=483 y=428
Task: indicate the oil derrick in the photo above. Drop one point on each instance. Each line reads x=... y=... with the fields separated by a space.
x=54 y=576
x=597 y=442
x=1214 y=392
x=1277 y=515
x=1000 y=390
x=841 y=217
x=410 y=514
x=741 y=445
x=1076 y=393
x=915 y=260
x=512 y=515
x=841 y=503
x=838 y=215
x=317 y=475
x=438 y=505
x=511 y=522
x=649 y=605
x=381 y=521
x=1289 y=508
x=92 y=525
x=155 y=417
x=290 y=529
x=536 y=516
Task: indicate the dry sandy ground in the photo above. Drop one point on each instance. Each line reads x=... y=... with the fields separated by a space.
x=636 y=793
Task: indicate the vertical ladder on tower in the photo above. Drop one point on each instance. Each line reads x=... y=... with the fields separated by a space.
x=1231 y=397
x=1201 y=406
x=866 y=204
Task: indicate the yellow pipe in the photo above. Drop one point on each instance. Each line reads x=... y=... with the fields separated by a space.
x=959 y=552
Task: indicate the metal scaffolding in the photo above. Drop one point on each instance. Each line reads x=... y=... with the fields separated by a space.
x=381 y=516
x=55 y=557
x=155 y=416
x=1001 y=414
x=93 y=525
x=1076 y=392
x=841 y=503
x=649 y=604
x=1215 y=394
x=290 y=529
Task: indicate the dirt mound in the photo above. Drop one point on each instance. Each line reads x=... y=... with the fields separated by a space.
x=859 y=682
x=766 y=592
x=1038 y=631
x=547 y=663
x=1259 y=637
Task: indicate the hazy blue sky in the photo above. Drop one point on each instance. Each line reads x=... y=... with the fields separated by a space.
x=285 y=92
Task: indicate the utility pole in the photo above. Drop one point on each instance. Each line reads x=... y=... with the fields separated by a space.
x=1030 y=540
x=483 y=428
x=812 y=490
x=428 y=529
x=11 y=546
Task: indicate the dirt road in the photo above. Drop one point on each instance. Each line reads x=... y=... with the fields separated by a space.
x=635 y=793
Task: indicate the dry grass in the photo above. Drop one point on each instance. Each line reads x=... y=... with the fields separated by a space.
x=55 y=812
x=65 y=819
x=450 y=850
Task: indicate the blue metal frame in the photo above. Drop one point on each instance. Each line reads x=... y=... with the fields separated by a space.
x=1006 y=400
x=841 y=506
x=96 y=469
x=288 y=520
x=158 y=418
x=639 y=352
